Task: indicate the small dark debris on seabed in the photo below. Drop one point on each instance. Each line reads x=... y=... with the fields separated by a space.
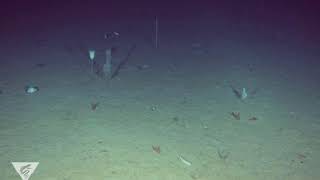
x=223 y=154
x=40 y=65
x=94 y=106
x=236 y=92
x=300 y=158
x=253 y=118
x=156 y=149
x=235 y=115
